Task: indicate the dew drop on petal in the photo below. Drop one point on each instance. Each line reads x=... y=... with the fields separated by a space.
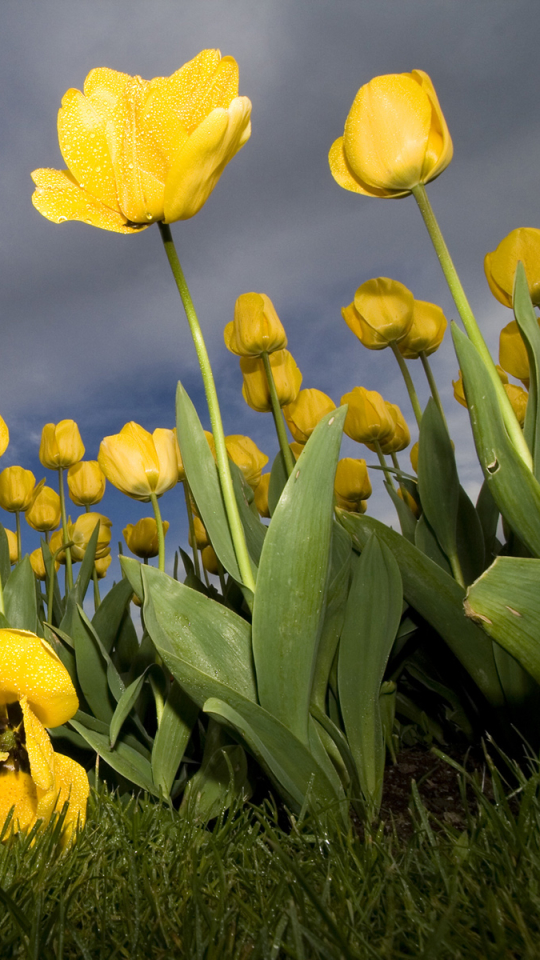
x=61 y=219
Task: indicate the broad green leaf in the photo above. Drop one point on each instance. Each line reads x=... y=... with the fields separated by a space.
x=278 y=481
x=215 y=787
x=439 y=599
x=527 y=322
x=125 y=704
x=426 y=541
x=488 y=515
x=506 y=601
x=108 y=616
x=126 y=761
x=203 y=479
x=470 y=539
x=372 y=618
x=438 y=483
x=126 y=646
x=288 y=609
x=5 y=565
x=254 y=530
x=172 y=737
x=20 y=597
x=336 y=596
x=62 y=651
x=406 y=517
x=91 y=666
x=514 y=488
x=116 y=684
x=87 y=566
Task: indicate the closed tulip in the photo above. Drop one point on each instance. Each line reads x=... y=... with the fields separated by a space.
x=513 y=355
x=101 y=565
x=201 y=535
x=61 y=445
x=287 y=379
x=395 y=137
x=57 y=540
x=426 y=332
x=12 y=546
x=296 y=448
x=401 y=437
x=352 y=485
x=500 y=265
x=138 y=151
x=210 y=560
x=304 y=414
x=86 y=483
x=17 y=487
x=140 y=463
x=179 y=461
x=413 y=456
x=246 y=455
x=256 y=327
x=4 y=436
x=518 y=398
x=261 y=495
x=368 y=418
x=409 y=500
x=82 y=530
x=38 y=564
x=381 y=312
x=459 y=390
x=44 y=512
x=142 y=538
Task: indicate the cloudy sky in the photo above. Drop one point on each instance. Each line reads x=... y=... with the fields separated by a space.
x=92 y=326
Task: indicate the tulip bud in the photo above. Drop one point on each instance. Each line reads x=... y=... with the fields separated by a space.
x=381 y=312
x=395 y=137
x=246 y=455
x=513 y=355
x=352 y=485
x=500 y=265
x=518 y=398
x=459 y=391
x=38 y=564
x=210 y=560
x=296 y=448
x=201 y=535
x=4 y=436
x=368 y=418
x=140 y=463
x=57 y=540
x=102 y=565
x=61 y=445
x=410 y=501
x=86 y=483
x=44 y=512
x=261 y=495
x=287 y=380
x=413 y=456
x=400 y=438
x=256 y=327
x=142 y=538
x=82 y=530
x=304 y=414
x=426 y=332
x=12 y=546
x=17 y=489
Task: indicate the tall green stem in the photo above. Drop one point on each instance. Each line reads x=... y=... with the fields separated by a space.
x=227 y=489
x=95 y=578
x=277 y=413
x=469 y=322
x=69 y=571
x=408 y=382
x=191 y=528
x=384 y=465
x=160 y=534
x=432 y=385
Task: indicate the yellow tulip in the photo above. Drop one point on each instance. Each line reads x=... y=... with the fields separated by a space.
x=12 y=546
x=210 y=560
x=61 y=445
x=246 y=455
x=139 y=151
x=304 y=414
x=407 y=498
x=140 y=463
x=261 y=495
x=102 y=565
x=201 y=535
x=368 y=418
x=426 y=332
x=142 y=538
x=296 y=448
x=518 y=398
x=17 y=488
x=86 y=483
x=381 y=312
x=4 y=436
x=413 y=456
x=38 y=564
x=513 y=353
x=500 y=265
x=352 y=485
x=287 y=378
x=44 y=512
x=57 y=541
x=256 y=327
x=82 y=530
x=401 y=436
x=179 y=461
x=33 y=778
x=395 y=137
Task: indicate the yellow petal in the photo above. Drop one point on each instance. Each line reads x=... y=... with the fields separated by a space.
x=104 y=88
x=165 y=444
x=83 y=143
x=4 y=436
x=59 y=198
x=202 y=159
x=343 y=175
x=17 y=789
x=39 y=748
x=71 y=785
x=129 y=460
x=440 y=149
x=187 y=89
x=139 y=164
x=30 y=668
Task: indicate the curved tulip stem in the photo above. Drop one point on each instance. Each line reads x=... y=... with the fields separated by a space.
x=277 y=414
x=69 y=571
x=384 y=465
x=469 y=322
x=413 y=396
x=433 y=386
x=195 y=552
x=160 y=535
x=227 y=489
x=18 y=529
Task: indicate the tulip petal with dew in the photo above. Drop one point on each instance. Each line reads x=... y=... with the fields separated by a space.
x=86 y=483
x=381 y=312
x=368 y=418
x=306 y=412
x=29 y=667
x=287 y=380
x=140 y=463
x=246 y=455
x=395 y=137
x=256 y=327
x=140 y=151
x=61 y=445
x=44 y=512
x=426 y=332
x=142 y=539
x=17 y=489
x=500 y=265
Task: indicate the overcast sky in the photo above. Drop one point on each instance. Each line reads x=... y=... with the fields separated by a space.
x=92 y=325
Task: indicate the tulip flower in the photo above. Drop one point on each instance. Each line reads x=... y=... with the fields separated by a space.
x=101 y=566
x=409 y=500
x=140 y=463
x=13 y=546
x=44 y=512
x=86 y=483
x=17 y=489
x=142 y=539
x=368 y=418
x=304 y=414
x=381 y=312
x=256 y=327
x=33 y=778
x=140 y=151
x=261 y=495
x=413 y=455
x=201 y=535
x=401 y=437
x=500 y=265
x=210 y=560
x=513 y=355
x=246 y=455
x=296 y=448
x=83 y=528
x=426 y=332
x=38 y=564
x=61 y=445
x=57 y=541
x=518 y=398
x=395 y=137
x=4 y=436
x=352 y=485
x=287 y=379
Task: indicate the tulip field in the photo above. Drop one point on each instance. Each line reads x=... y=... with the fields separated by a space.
x=266 y=686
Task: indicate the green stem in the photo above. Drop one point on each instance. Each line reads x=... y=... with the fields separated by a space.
x=402 y=486
x=95 y=578
x=227 y=489
x=277 y=414
x=456 y=569
x=432 y=385
x=69 y=572
x=50 y=599
x=469 y=322
x=191 y=528
x=408 y=382
x=160 y=535
x=18 y=529
x=384 y=465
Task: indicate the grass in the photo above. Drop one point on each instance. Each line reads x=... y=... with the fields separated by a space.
x=141 y=882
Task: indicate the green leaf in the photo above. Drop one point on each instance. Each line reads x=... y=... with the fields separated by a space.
x=288 y=609
x=108 y=616
x=527 y=322
x=512 y=485
x=125 y=760
x=87 y=565
x=488 y=515
x=278 y=482
x=20 y=597
x=91 y=666
x=216 y=783
x=438 y=482
x=254 y=530
x=58 y=607
x=439 y=599
x=426 y=541
x=336 y=596
x=178 y=718
x=372 y=619
x=126 y=703
x=470 y=539
x=406 y=517
x=202 y=475
x=5 y=565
